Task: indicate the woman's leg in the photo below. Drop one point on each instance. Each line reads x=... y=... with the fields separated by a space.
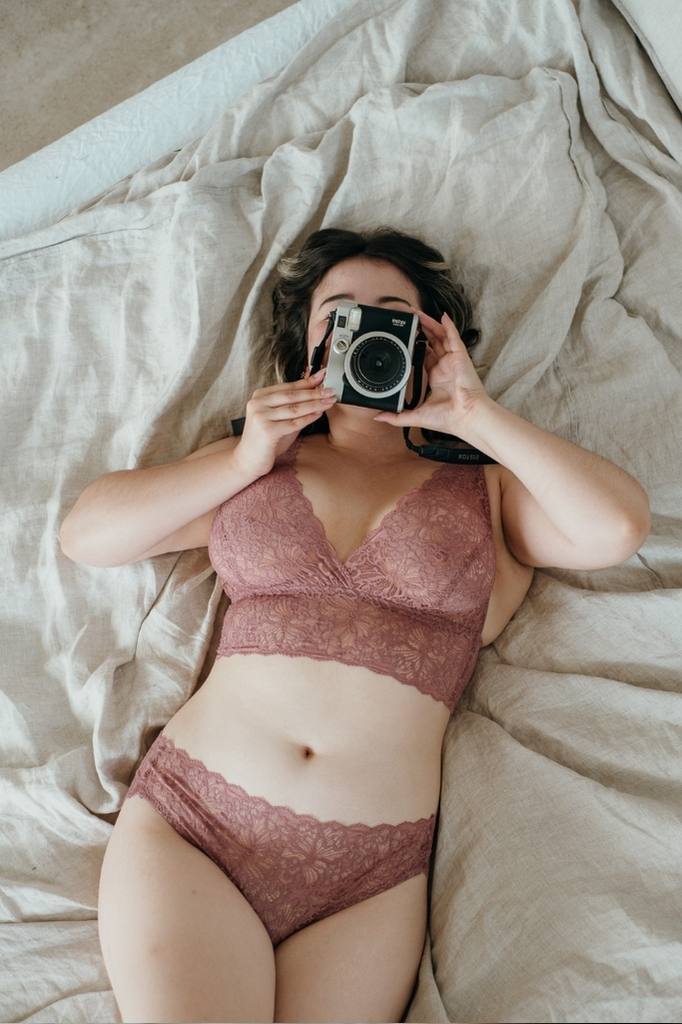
x=179 y=940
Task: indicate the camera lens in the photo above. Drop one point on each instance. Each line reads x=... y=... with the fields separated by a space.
x=378 y=364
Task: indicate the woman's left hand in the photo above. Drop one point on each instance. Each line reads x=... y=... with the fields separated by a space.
x=456 y=389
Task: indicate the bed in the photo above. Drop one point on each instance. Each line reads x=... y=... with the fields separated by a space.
x=539 y=146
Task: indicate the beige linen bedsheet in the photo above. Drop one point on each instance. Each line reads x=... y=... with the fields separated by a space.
x=535 y=145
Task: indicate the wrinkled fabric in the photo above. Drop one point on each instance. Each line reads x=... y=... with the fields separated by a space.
x=294 y=869
x=410 y=602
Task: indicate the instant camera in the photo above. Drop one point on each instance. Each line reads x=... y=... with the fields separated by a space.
x=373 y=351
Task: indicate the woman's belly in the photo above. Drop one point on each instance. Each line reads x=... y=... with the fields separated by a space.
x=332 y=740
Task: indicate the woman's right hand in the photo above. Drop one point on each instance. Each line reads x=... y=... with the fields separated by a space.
x=274 y=417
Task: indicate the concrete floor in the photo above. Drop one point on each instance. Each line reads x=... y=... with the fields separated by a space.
x=63 y=62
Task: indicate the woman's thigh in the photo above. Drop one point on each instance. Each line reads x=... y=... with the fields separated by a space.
x=179 y=940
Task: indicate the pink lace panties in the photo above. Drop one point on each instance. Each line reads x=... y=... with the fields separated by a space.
x=292 y=868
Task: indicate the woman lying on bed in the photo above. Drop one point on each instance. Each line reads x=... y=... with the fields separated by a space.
x=271 y=859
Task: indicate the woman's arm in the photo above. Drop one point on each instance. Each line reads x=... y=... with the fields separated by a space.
x=557 y=494
x=123 y=514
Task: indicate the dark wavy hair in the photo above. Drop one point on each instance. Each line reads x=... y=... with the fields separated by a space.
x=284 y=350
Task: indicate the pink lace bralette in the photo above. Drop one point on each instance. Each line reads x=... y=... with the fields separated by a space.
x=410 y=602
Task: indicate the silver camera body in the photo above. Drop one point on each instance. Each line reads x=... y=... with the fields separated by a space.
x=371 y=354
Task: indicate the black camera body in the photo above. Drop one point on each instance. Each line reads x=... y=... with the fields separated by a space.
x=371 y=355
